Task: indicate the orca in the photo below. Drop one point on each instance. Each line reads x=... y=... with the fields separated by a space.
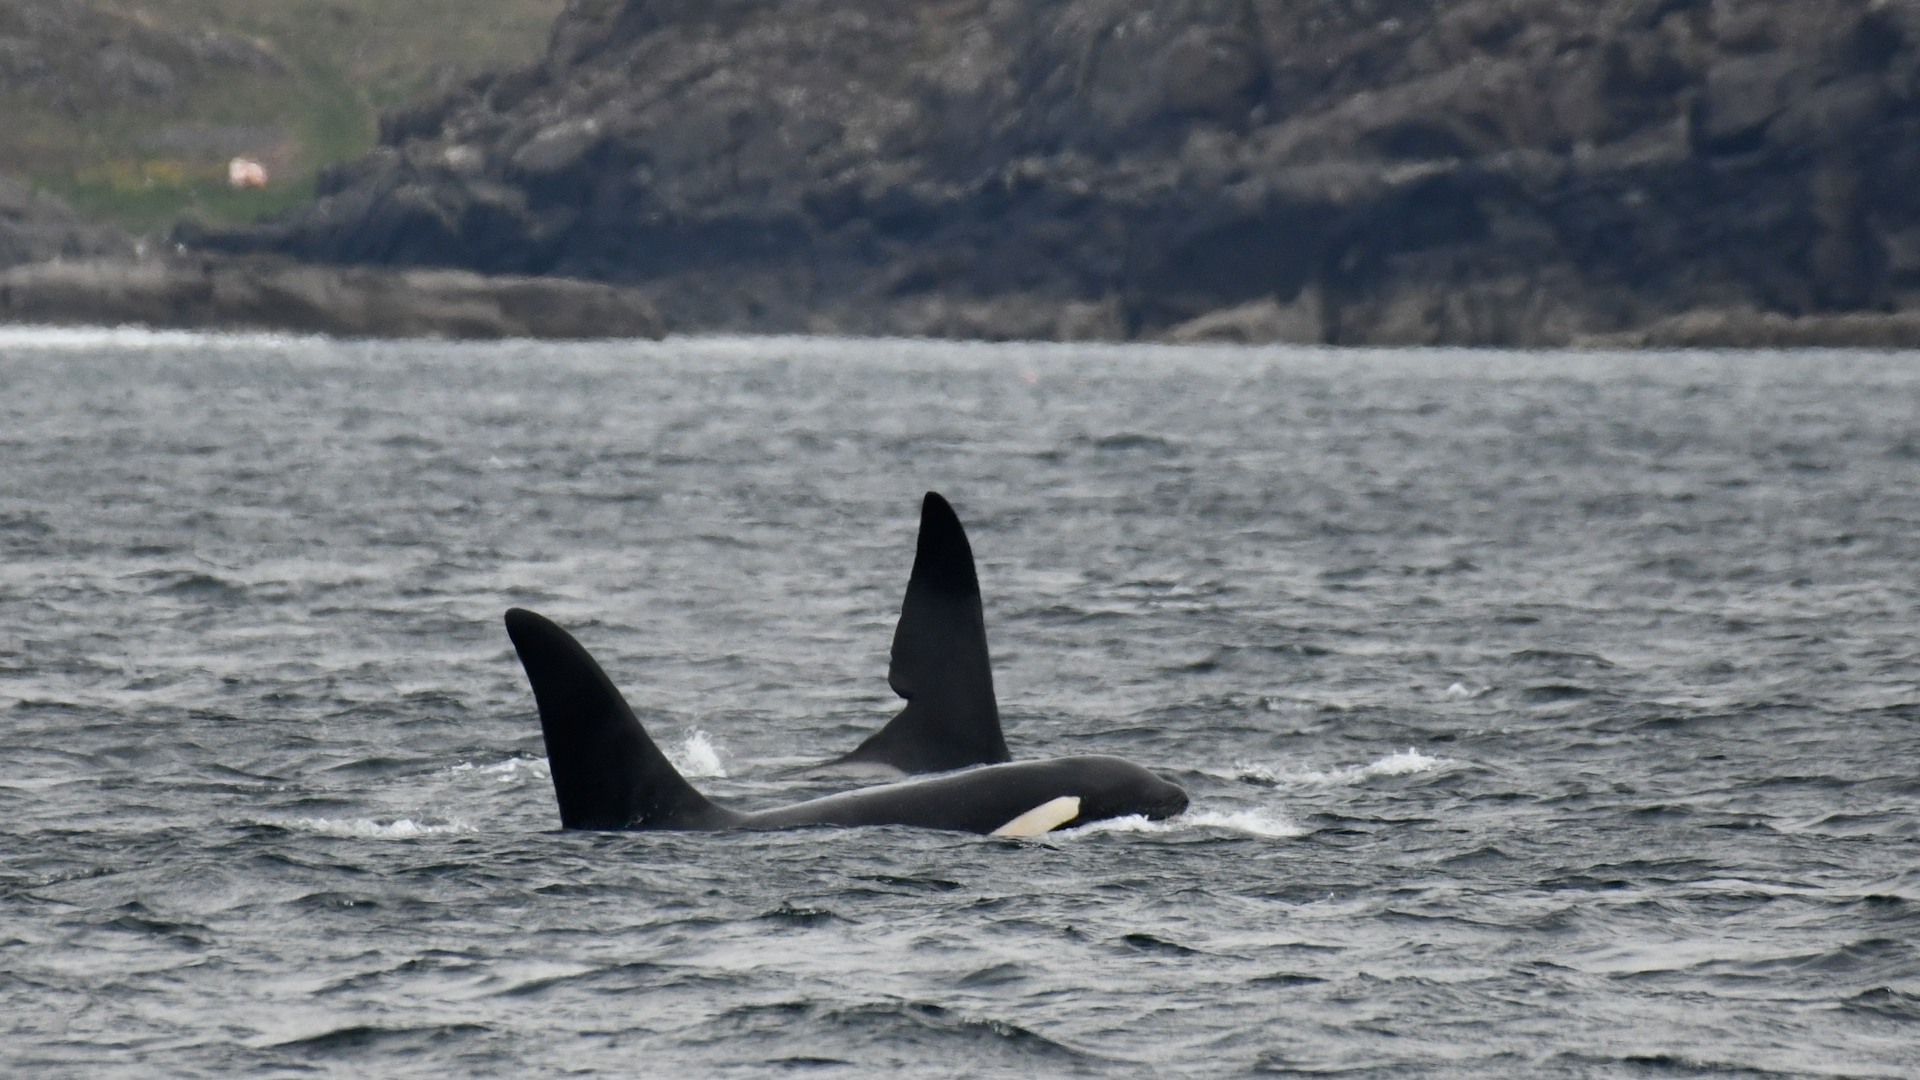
x=609 y=775
x=939 y=662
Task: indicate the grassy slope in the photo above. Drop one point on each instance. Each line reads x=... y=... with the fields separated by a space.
x=145 y=166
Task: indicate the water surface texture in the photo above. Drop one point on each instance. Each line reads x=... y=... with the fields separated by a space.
x=1544 y=715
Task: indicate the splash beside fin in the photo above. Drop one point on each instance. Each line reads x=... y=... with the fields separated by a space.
x=607 y=772
x=1044 y=818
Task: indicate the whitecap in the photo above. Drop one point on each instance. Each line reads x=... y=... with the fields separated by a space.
x=1400 y=763
x=1403 y=763
x=509 y=771
x=1257 y=822
x=1266 y=823
x=39 y=336
x=402 y=829
x=1129 y=823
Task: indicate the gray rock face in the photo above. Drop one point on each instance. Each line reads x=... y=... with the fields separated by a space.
x=1421 y=171
x=76 y=55
x=274 y=294
x=35 y=227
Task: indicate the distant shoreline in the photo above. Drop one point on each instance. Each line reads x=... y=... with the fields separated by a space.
x=264 y=294
x=270 y=294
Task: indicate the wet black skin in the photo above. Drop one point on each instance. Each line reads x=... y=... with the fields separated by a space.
x=939 y=661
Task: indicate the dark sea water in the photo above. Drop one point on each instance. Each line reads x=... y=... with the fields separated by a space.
x=1544 y=715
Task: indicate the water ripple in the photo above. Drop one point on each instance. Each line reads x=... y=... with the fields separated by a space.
x=1543 y=715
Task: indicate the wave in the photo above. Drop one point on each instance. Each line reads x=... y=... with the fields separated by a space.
x=1401 y=763
x=509 y=771
x=1264 y=823
x=696 y=757
x=367 y=828
x=122 y=337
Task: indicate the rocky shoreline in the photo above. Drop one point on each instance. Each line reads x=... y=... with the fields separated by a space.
x=1518 y=173
x=1510 y=173
x=260 y=293
x=224 y=294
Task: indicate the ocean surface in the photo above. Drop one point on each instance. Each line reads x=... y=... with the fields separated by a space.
x=1544 y=715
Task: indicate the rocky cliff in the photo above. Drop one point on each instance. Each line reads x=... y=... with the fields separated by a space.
x=1392 y=171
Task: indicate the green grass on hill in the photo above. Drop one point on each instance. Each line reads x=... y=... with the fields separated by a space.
x=147 y=160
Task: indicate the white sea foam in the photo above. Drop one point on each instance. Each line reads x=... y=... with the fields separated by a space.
x=698 y=757
x=125 y=337
x=403 y=829
x=510 y=771
x=1258 y=822
x=1266 y=823
x=1402 y=763
x=1130 y=823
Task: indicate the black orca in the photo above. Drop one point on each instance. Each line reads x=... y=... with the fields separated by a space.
x=939 y=662
x=608 y=774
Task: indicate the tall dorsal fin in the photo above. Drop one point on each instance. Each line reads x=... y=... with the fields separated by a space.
x=940 y=663
x=607 y=773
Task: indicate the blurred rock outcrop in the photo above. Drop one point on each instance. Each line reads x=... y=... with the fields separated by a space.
x=257 y=293
x=1515 y=172
x=35 y=227
x=78 y=55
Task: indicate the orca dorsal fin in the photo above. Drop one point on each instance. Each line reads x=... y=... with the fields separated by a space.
x=607 y=772
x=940 y=663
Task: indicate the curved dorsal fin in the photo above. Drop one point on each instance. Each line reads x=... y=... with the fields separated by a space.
x=940 y=663
x=607 y=773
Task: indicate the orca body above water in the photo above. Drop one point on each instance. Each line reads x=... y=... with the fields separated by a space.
x=609 y=774
x=939 y=662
